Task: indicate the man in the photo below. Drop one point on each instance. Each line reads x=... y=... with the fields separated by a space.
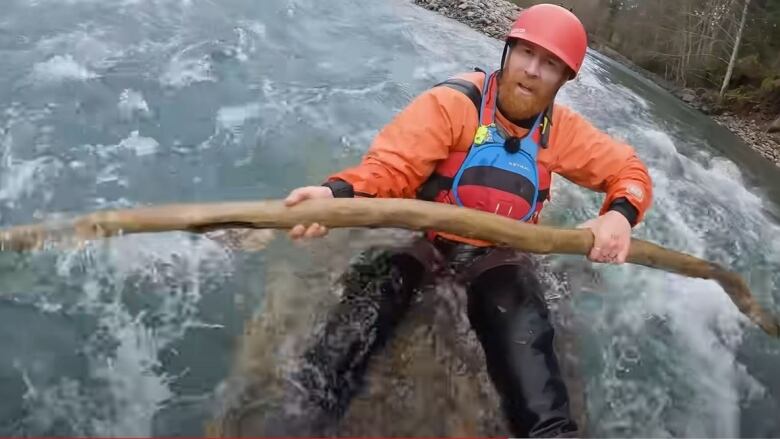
x=487 y=141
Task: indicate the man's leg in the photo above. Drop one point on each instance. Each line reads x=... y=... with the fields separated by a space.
x=508 y=313
x=378 y=289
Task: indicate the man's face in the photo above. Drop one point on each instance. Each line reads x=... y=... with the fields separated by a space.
x=529 y=81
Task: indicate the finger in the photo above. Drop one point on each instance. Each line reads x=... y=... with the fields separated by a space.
x=595 y=253
x=295 y=197
x=608 y=254
x=611 y=251
x=297 y=231
x=312 y=231
x=292 y=198
x=318 y=231
x=602 y=246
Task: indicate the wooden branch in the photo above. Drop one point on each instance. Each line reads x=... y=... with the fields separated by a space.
x=372 y=213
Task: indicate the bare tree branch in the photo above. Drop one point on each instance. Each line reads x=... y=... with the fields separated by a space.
x=396 y=213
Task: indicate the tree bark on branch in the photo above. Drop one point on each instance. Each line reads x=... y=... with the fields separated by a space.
x=372 y=213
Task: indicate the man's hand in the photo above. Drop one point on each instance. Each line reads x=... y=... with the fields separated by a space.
x=612 y=237
x=307 y=193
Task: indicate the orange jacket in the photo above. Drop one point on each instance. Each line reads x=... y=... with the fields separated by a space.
x=442 y=120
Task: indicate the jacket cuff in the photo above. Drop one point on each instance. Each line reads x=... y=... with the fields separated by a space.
x=340 y=188
x=623 y=206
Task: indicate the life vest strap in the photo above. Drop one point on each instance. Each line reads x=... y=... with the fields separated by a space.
x=435 y=184
x=465 y=87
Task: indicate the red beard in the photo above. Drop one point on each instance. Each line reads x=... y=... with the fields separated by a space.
x=516 y=106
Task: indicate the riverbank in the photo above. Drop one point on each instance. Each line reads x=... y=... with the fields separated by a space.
x=494 y=17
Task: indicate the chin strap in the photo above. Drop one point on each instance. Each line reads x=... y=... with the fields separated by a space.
x=546 y=126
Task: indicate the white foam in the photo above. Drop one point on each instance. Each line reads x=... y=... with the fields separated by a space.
x=108 y=174
x=125 y=387
x=725 y=179
x=660 y=140
x=22 y=178
x=246 y=44
x=62 y=68
x=699 y=311
x=136 y=390
x=257 y=28
x=141 y=145
x=182 y=72
x=705 y=328
x=704 y=332
x=92 y=48
x=233 y=117
x=124 y=3
x=132 y=102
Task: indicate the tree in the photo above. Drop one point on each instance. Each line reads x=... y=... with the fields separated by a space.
x=734 y=52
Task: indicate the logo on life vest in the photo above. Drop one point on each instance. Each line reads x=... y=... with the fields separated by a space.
x=519 y=165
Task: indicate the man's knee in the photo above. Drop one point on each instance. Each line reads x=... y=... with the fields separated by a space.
x=395 y=269
x=497 y=295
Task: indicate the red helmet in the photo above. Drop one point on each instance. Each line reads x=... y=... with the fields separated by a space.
x=556 y=29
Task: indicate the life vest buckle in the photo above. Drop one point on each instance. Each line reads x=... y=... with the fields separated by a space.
x=481 y=136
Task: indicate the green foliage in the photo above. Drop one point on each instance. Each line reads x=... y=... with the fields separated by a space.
x=749 y=70
x=769 y=93
x=771 y=84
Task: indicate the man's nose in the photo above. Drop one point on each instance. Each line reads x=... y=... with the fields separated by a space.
x=533 y=67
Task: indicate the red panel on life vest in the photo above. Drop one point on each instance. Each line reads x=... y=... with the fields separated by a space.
x=482 y=198
x=494 y=201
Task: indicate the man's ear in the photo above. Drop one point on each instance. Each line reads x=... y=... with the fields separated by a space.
x=566 y=77
x=560 y=85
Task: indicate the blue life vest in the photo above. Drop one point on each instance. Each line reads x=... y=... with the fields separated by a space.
x=494 y=176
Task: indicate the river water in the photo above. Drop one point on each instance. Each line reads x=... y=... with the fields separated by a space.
x=117 y=103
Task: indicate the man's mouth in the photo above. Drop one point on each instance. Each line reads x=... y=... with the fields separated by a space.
x=525 y=90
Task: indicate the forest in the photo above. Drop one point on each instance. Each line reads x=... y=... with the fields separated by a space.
x=722 y=54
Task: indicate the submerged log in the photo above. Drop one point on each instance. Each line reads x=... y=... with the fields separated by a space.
x=430 y=379
x=387 y=213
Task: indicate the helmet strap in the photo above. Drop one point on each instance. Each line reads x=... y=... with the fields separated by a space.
x=503 y=55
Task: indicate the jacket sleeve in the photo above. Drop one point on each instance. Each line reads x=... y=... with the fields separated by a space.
x=591 y=158
x=405 y=152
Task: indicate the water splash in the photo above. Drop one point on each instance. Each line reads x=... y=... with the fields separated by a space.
x=140 y=145
x=232 y=118
x=131 y=103
x=125 y=386
x=62 y=68
x=183 y=71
